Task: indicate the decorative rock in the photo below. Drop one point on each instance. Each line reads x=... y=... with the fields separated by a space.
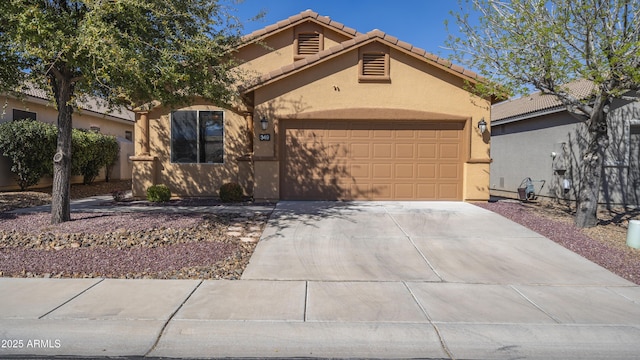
x=234 y=233
x=248 y=239
x=235 y=228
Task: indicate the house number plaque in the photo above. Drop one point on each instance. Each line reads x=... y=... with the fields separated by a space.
x=265 y=137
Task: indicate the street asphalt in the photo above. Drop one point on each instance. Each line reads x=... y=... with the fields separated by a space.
x=435 y=280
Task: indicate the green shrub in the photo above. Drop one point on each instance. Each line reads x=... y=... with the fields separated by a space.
x=231 y=192
x=158 y=193
x=30 y=146
x=92 y=152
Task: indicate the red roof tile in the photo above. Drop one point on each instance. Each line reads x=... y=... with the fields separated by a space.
x=303 y=16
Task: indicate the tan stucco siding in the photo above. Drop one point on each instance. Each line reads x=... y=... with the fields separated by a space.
x=414 y=85
x=199 y=179
x=82 y=119
x=277 y=51
x=269 y=54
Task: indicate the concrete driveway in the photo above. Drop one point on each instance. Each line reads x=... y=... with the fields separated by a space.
x=451 y=242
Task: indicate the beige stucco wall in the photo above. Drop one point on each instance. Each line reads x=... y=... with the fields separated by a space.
x=193 y=179
x=277 y=50
x=82 y=119
x=414 y=85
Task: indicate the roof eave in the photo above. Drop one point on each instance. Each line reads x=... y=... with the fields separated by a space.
x=292 y=21
x=529 y=115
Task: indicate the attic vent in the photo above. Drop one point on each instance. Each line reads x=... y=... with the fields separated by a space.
x=308 y=43
x=373 y=65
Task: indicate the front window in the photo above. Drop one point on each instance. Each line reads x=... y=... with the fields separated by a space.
x=197 y=137
x=23 y=115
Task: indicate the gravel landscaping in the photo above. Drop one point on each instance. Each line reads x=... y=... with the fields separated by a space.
x=125 y=245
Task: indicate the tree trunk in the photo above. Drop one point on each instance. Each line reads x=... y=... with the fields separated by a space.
x=60 y=196
x=592 y=167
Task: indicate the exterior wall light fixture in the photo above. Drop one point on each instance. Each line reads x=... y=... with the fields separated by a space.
x=264 y=123
x=482 y=125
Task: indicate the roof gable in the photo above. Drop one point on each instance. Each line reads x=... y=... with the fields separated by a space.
x=307 y=15
x=359 y=41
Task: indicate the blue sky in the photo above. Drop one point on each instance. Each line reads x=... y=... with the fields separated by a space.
x=418 y=22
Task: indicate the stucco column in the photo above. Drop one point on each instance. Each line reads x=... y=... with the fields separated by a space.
x=144 y=171
x=143 y=127
x=250 y=131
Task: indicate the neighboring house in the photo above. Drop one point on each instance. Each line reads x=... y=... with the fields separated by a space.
x=331 y=114
x=34 y=104
x=536 y=137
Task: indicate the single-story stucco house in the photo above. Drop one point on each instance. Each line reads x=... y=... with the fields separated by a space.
x=331 y=114
x=536 y=137
x=35 y=104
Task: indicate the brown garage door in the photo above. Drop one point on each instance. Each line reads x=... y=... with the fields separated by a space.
x=348 y=160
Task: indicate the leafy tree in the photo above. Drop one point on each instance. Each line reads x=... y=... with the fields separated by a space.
x=30 y=145
x=545 y=44
x=125 y=52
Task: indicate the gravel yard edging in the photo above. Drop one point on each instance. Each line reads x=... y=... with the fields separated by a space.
x=129 y=245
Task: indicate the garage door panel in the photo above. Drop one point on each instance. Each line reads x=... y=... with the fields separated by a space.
x=382 y=151
x=453 y=134
x=427 y=134
x=404 y=191
x=382 y=171
x=427 y=151
x=449 y=151
x=448 y=172
x=360 y=191
x=448 y=191
x=360 y=170
x=427 y=171
x=371 y=160
x=426 y=191
x=405 y=150
x=382 y=134
x=360 y=151
x=381 y=191
x=335 y=150
x=404 y=171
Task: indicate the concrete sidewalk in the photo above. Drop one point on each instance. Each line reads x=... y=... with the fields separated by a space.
x=348 y=280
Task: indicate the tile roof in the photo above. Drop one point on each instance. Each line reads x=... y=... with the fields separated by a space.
x=536 y=102
x=90 y=104
x=355 y=42
x=298 y=18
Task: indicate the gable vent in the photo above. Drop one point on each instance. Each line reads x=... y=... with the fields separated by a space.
x=373 y=65
x=308 y=43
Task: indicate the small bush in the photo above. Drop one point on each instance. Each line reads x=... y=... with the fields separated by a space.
x=30 y=145
x=231 y=192
x=158 y=193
